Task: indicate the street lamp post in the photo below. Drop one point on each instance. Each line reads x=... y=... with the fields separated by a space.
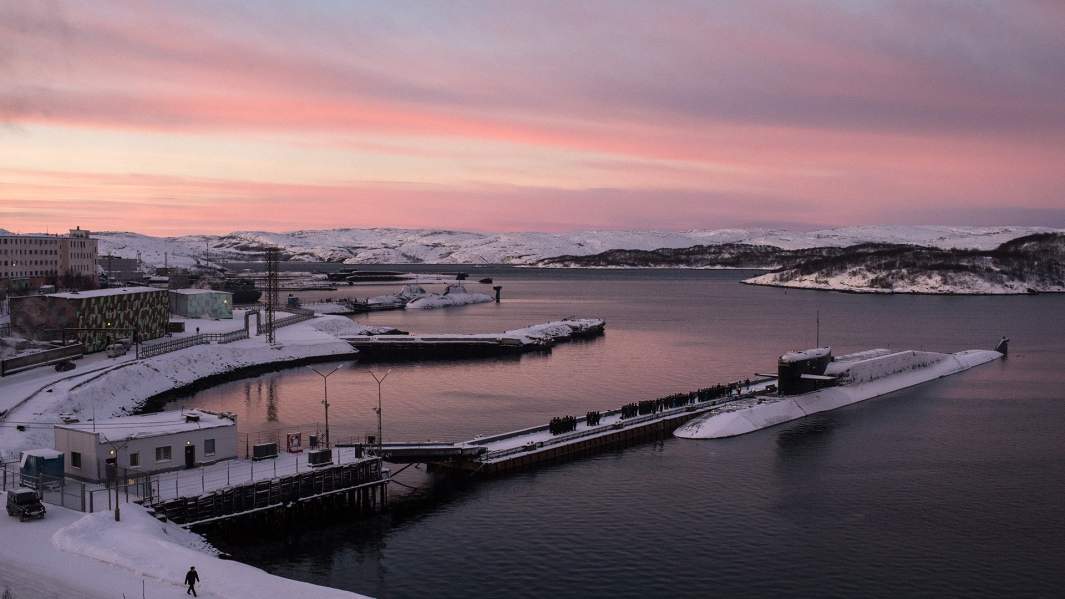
x=325 y=398
x=379 y=427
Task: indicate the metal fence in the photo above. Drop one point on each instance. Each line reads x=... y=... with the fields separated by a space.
x=148 y=350
x=5 y=329
x=52 y=490
x=299 y=315
x=338 y=436
x=228 y=337
x=77 y=495
x=41 y=358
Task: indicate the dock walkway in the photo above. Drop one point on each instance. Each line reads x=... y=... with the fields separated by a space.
x=525 y=447
x=241 y=488
x=532 y=338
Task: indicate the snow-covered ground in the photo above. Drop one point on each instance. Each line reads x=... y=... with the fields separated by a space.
x=90 y=556
x=404 y=246
x=559 y=329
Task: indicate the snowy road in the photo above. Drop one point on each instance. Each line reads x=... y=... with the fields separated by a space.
x=69 y=554
x=23 y=583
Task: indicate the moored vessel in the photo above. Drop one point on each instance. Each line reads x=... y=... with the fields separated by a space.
x=813 y=380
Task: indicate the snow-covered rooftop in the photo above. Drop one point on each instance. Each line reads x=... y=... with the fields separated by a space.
x=106 y=292
x=151 y=425
x=43 y=453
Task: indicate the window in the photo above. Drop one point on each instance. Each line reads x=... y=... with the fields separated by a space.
x=162 y=454
x=75 y=459
x=208 y=447
x=134 y=460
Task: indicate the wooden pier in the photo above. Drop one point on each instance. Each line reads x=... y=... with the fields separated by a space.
x=360 y=487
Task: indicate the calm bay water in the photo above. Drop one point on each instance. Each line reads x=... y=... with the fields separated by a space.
x=953 y=488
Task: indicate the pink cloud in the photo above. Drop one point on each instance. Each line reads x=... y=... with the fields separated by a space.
x=848 y=114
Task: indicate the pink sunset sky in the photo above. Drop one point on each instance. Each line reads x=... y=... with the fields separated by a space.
x=211 y=116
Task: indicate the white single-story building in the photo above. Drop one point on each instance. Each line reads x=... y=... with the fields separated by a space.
x=146 y=443
x=201 y=303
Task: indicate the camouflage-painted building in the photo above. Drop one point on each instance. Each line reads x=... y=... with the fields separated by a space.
x=140 y=312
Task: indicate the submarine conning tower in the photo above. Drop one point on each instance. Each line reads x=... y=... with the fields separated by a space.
x=803 y=371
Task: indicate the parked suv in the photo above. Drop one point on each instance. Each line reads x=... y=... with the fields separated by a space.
x=25 y=504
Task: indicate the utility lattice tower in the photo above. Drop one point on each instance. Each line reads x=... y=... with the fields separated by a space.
x=273 y=284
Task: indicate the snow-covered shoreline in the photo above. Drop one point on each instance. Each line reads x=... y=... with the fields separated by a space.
x=842 y=287
x=140 y=549
x=70 y=554
x=105 y=557
x=631 y=267
x=123 y=385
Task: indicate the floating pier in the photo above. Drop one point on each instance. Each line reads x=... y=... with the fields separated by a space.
x=533 y=338
x=525 y=448
x=392 y=347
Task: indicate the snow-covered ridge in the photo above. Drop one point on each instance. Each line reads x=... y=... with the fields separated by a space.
x=428 y=246
x=1031 y=264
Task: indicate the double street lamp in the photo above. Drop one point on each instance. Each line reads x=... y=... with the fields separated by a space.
x=379 y=380
x=325 y=397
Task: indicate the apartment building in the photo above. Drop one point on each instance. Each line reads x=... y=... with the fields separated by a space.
x=29 y=260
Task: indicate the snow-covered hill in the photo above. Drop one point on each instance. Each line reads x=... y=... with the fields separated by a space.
x=406 y=246
x=1032 y=264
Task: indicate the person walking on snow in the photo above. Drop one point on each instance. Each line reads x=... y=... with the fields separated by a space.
x=191 y=578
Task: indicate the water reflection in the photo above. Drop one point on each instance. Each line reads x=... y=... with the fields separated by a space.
x=840 y=504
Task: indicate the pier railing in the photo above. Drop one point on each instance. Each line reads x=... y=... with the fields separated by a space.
x=361 y=480
x=228 y=337
x=298 y=315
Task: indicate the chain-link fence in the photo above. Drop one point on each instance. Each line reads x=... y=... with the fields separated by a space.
x=77 y=495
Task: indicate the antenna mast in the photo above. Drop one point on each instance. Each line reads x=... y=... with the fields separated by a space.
x=272 y=291
x=818 y=344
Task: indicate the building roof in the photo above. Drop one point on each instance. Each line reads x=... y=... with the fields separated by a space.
x=143 y=426
x=48 y=454
x=197 y=291
x=106 y=292
x=43 y=453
